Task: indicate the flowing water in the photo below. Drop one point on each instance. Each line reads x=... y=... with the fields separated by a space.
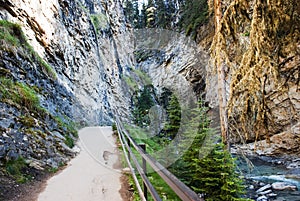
x=262 y=173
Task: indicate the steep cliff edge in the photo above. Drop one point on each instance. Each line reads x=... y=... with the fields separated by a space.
x=60 y=67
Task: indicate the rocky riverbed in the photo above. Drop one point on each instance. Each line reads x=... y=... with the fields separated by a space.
x=271 y=179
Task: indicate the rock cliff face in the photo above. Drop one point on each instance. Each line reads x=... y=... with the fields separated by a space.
x=60 y=68
x=83 y=49
x=173 y=61
x=259 y=47
x=87 y=44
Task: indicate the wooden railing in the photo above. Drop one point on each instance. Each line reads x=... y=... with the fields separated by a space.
x=183 y=191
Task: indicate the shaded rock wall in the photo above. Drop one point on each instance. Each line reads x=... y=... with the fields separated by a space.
x=88 y=45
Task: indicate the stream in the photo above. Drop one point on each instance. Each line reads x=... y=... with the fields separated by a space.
x=266 y=172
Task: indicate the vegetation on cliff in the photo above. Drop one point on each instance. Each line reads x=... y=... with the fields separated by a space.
x=258 y=45
x=31 y=143
x=13 y=40
x=185 y=16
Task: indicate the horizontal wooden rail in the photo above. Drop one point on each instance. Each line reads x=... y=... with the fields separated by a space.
x=150 y=187
x=183 y=191
x=139 y=189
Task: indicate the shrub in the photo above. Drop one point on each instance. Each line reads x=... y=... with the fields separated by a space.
x=19 y=93
x=15 y=167
x=69 y=141
x=114 y=127
x=99 y=22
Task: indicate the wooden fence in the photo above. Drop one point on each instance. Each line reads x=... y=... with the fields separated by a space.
x=183 y=191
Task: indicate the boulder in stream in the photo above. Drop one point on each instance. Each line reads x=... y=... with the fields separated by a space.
x=283 y=186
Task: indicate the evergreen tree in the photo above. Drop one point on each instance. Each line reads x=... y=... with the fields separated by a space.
x=144 y=103
x=131 y=11
x=143 y=17
x=193 y=14
x=161 y=15
x=206 y=166
x=174 y=118
x=165 y=97
x=215 y=176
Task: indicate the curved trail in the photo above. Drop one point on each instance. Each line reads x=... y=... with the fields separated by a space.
x=91 y=175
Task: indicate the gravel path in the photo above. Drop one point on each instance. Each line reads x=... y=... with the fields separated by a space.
x=92 y=175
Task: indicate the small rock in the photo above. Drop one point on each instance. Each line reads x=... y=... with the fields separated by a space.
x=294 y=165
x=251 y=187
x=262 y=198
x=126 y=170
x=272 y=195
x=283 y=186
x=76 y=149
x=262 y=184
x=51 y=162
x=37 y=165
x=58 y=135
x=295 y=193
x=264 y=188
x=3 y=150
x=12 y=155
x=265 y=192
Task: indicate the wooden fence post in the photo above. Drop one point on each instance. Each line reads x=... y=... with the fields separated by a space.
x=143 y=146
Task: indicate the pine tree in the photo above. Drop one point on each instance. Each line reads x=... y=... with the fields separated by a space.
x=193 y=15
x=131 y=11
x=162 y=20
x=206 y=166
x=174 y=115
x=143 y=17
x=143 y=103
x=215 y=176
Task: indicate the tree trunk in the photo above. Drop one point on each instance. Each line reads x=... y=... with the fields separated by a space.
x=221 y=74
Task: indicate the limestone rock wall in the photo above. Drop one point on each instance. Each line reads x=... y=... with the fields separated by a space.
x=86 y=42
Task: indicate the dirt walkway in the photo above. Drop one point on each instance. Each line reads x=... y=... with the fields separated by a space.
x=92 y=175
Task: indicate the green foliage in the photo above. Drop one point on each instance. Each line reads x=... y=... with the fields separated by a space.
x=152 y=146
x=15 y=167
x=194 y=14
x=27 y=121
x=114 y=127
x=141 y=136
x=8 y=32
x=68 y=126
x=13 y=39
x=53 y=169
x=99 y=22
x=19 y=93
x=146 y=80
x=69 y=141
x=164 y=14
x=174 y=115
x=206 y=166
x=143 y=103
x=131 y=83
x=215 y=176
x=131 y=12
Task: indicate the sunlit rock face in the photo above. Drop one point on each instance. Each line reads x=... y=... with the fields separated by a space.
x=88 y=45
